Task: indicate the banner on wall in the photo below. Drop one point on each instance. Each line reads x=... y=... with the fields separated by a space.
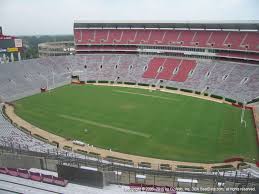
x=12 y=50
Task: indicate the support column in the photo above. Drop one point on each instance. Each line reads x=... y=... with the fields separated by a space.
x=12 y=57
x=19 y=56
x=4 y=58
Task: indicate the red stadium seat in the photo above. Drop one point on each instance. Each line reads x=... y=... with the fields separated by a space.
x=156 y=37
x=184 y=69
x=189 y=38
x=59 y=181
x=186 y=37
x=217 y=39
x=201 y=38
x=153 y=67
x=251 y=40
x=3 y=170
x=47 y=178
x=168 y=68
x=100 y=36
x=171 y=37
x=114 y=36
x=142 y=36
x=23 y=173
x=234 y=39
x=12 y=171
x=35 y=176
x=128 y=36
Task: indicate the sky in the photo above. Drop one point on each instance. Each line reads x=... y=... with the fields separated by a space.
x=48 y=17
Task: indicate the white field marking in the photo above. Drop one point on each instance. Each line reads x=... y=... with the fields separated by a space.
x=165 y=98
x=105 y=126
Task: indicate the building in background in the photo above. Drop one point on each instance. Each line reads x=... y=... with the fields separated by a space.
x=61 y=48
x=10 y=48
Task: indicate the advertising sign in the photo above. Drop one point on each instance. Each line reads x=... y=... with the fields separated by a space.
x=18 y=42
x=12 y=49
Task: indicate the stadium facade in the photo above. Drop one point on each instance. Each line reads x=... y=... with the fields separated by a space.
x=61 y=48
x=230 y=40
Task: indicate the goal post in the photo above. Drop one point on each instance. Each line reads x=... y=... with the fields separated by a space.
x=242 y=120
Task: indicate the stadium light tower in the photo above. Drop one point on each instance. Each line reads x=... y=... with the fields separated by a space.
x=53 y=78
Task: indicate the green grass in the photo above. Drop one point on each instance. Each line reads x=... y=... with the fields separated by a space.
x=140 y=122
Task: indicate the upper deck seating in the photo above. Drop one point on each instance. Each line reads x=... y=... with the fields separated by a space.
x=237 y=40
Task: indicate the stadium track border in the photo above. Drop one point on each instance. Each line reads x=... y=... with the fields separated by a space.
x=155 y=162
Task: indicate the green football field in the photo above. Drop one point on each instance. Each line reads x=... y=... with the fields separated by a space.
x=140 y=122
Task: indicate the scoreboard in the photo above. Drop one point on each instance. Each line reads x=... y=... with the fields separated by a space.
x=10 y=46
x=10 y=42
x=5 y=43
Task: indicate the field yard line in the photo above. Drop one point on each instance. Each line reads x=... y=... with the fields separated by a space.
x=165 y=98
x=104 y=125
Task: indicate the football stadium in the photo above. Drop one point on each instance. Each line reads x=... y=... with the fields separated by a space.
x=150 y=106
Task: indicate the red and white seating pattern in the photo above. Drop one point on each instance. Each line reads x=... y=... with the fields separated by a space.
x=153 y=67
x=168 y=68
x=187 y=38
x=23 y=173
x=31 y=75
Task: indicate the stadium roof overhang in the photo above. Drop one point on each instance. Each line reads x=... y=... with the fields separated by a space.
x=229 y=25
